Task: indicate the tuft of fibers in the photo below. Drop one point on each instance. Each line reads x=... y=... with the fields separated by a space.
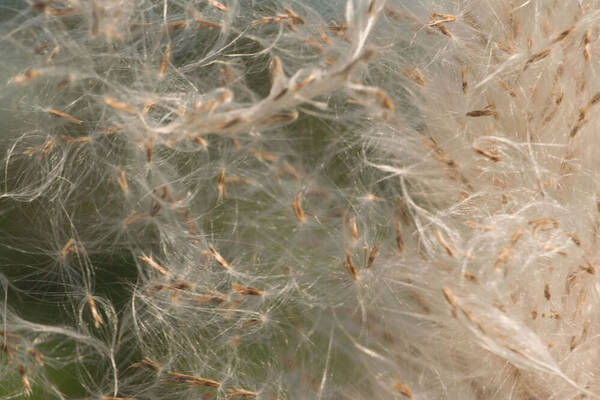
x=294 y=199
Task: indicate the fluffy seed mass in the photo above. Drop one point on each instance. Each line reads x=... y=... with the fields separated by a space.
x=296 y=199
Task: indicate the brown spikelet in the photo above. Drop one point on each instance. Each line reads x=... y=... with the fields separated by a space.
x=222 y=191
x=65 y=116
x=155 y=289
x=304 y=83
x=192 y=380
x=324 y=37
x=403 y=389
x=219 y=6
x=492 y=155
x=150 y=262
x=47 y=147
x=175 y=25
x=262 y=155
x=538 y=57
x=399 y=241
x=575 y=238
x=482 y=113
x=588 y=268
x=470 y=277
x=543 y=224
x=349 y=265
x=9 y=353
x=595 y=99
x=110 y=129
x=237 y=179
x=281 y=94
x=508 y=49
x=516 y=24
x=449 y=296
x=118 y=105
x=200 y=141
x=250 y=323
x=226 y=77
x=149 y=146
x=37 y=356
x=444 y=243
x=563 y=35
x=505 y=86
x=60 y=11
x=8 y=335
x=122 y=180
x=371 y=7
x=353 y=229
x=463 y=75
x=293 y=17
x=25 y=381
x=345 y=72
x=280 y=118
x=39 y=6
x=95 y=23
x=276 y=70
x=68 y=248
x=134 y=217
x=234 y=342
x=516 y=236
x=415 y=75
x=205 y=24
x=165 y=60
x=576 y=128
x=384 y=100
x=437 y=19
x=25 y=78
x=273 y=20
x=372 y=197
x=181 y=285
x=238 y=393
x=264 y=21
x=587 y=47
x=372 y=255
x=75 y=140
x=297 y=207
x=476 y=225
x=53 y=54
x=217 y=256
x=147 y=363
x=503 y=257
x=547 y=294
x=95 y=315
x=576 y=342
x=246 y=290
x=334 y=27
x=210 y=298
x=444 y=30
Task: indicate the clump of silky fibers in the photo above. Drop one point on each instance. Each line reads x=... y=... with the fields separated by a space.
x=299 y=199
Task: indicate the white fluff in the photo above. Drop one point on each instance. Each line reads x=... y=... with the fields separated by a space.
x=360 y=199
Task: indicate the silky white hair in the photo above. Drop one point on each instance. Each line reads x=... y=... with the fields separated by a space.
x=289 y=199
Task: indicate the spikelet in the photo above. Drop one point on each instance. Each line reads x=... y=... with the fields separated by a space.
x=65 y=116
x=95 y=315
